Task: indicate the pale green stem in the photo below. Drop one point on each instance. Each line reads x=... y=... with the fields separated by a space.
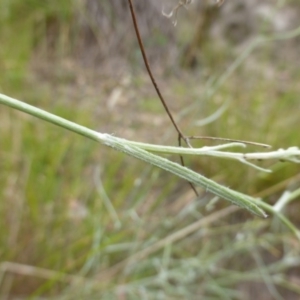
x=131 y=148
x=122 y=145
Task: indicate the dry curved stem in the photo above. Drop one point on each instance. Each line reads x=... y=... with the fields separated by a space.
x=174 y=11
x=147 y=65
x=183 y=3
x=181 y=136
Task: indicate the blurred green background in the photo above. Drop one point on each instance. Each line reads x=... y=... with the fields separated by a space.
x=79 y=221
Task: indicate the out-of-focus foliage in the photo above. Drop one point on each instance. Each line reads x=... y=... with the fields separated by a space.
x=70 y=206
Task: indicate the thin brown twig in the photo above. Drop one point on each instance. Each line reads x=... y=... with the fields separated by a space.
x=142 y=48
x=181 y=136
x=183 y=164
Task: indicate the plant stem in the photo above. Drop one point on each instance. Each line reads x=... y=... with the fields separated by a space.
x=125 y=146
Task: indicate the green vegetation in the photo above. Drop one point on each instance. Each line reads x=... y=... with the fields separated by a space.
x=93 y=223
